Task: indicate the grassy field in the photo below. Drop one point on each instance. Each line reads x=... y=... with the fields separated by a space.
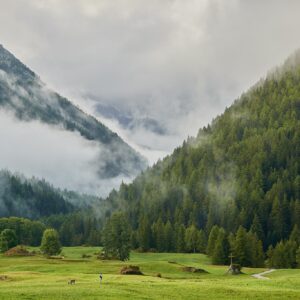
x=40 y=278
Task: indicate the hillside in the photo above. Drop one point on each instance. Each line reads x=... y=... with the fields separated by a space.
x=241 y=170
x=27 y=97
x=34 y=198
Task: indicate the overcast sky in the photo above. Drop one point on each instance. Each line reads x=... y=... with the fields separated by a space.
x=177 y=62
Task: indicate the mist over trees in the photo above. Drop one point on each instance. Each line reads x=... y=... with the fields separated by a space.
x=241 y=173
x=31 y=198
x=233 y=189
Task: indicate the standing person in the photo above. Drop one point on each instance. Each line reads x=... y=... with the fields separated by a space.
x=100 y=278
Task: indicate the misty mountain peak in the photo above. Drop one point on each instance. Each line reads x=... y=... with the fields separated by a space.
x=11 y=65
x=23 y=94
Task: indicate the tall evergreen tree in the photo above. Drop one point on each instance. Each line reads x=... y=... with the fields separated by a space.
x=298 y=257
x=179 y=238
x=169 y=237
x=257 y=228
x=144 y=234
x=255 y=250
x=192 y=240
x=295 y=235
x=212 y=240
x=220 y=252
x=116 y=237
x=240 y=247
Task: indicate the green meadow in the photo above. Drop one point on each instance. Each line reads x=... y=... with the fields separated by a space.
x=36 y=277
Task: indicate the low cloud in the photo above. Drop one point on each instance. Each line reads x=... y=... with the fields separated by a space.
x=63 y=158
x=178 y=62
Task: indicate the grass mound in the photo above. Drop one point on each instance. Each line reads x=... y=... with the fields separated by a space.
x=131 y=270
x=193 y=270
x=18 y=251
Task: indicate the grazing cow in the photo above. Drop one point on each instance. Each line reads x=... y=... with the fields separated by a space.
x=72 y=281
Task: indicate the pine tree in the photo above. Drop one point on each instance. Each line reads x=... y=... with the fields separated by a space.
x=202 y=241
x=212 y=240
x=255 y=251
x=169 y=239
x=144 y=234
x=116 y=237
x=291 y=253
x=277 y=221
x=257 y=228
x=270 y=256
x=240 y=247
x=192 y=239
x=279 y=258
x=220 y=252
x=159 y=234
x=298 y=258
x=295 y=235
x=180 y=234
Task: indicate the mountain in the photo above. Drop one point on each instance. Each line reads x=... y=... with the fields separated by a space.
x=241 y=170
x=127 y=120
x=27 y=97
x=30 y=198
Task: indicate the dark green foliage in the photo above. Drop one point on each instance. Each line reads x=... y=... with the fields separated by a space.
x=179 y=238
x=30 y=198
x=3 y=244
x=116 y=237
x=295 y=235
x=202 y=241
x=50 y=242
x=27 y=232
x=241 y=170
x=192 y=239
x=221 y=249
x=241 y=247
x=298 y=257
x=283 y=255
x=213 y=236
x=78 y=228
x=8 y=239
x=144 y=234
x=255 y=251
x=256 y=228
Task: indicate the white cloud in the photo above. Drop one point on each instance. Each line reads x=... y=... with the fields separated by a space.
x=178 y=62
x=63 y=158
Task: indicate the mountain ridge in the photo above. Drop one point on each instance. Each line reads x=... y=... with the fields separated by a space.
x=23 y=93
x=240 y=170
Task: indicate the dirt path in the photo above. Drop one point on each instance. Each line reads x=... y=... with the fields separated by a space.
x=261 y=275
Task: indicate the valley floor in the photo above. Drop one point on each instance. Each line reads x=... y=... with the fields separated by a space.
x=40 y=278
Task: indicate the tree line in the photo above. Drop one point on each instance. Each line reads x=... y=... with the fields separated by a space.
x=242 y=170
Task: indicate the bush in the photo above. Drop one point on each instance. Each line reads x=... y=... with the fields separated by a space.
x=50 y=242
x=8 y=239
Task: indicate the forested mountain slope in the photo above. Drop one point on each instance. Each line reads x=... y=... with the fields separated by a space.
x=23 y=93
x=32 y=198
x=35 y=198
x=241 y=170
